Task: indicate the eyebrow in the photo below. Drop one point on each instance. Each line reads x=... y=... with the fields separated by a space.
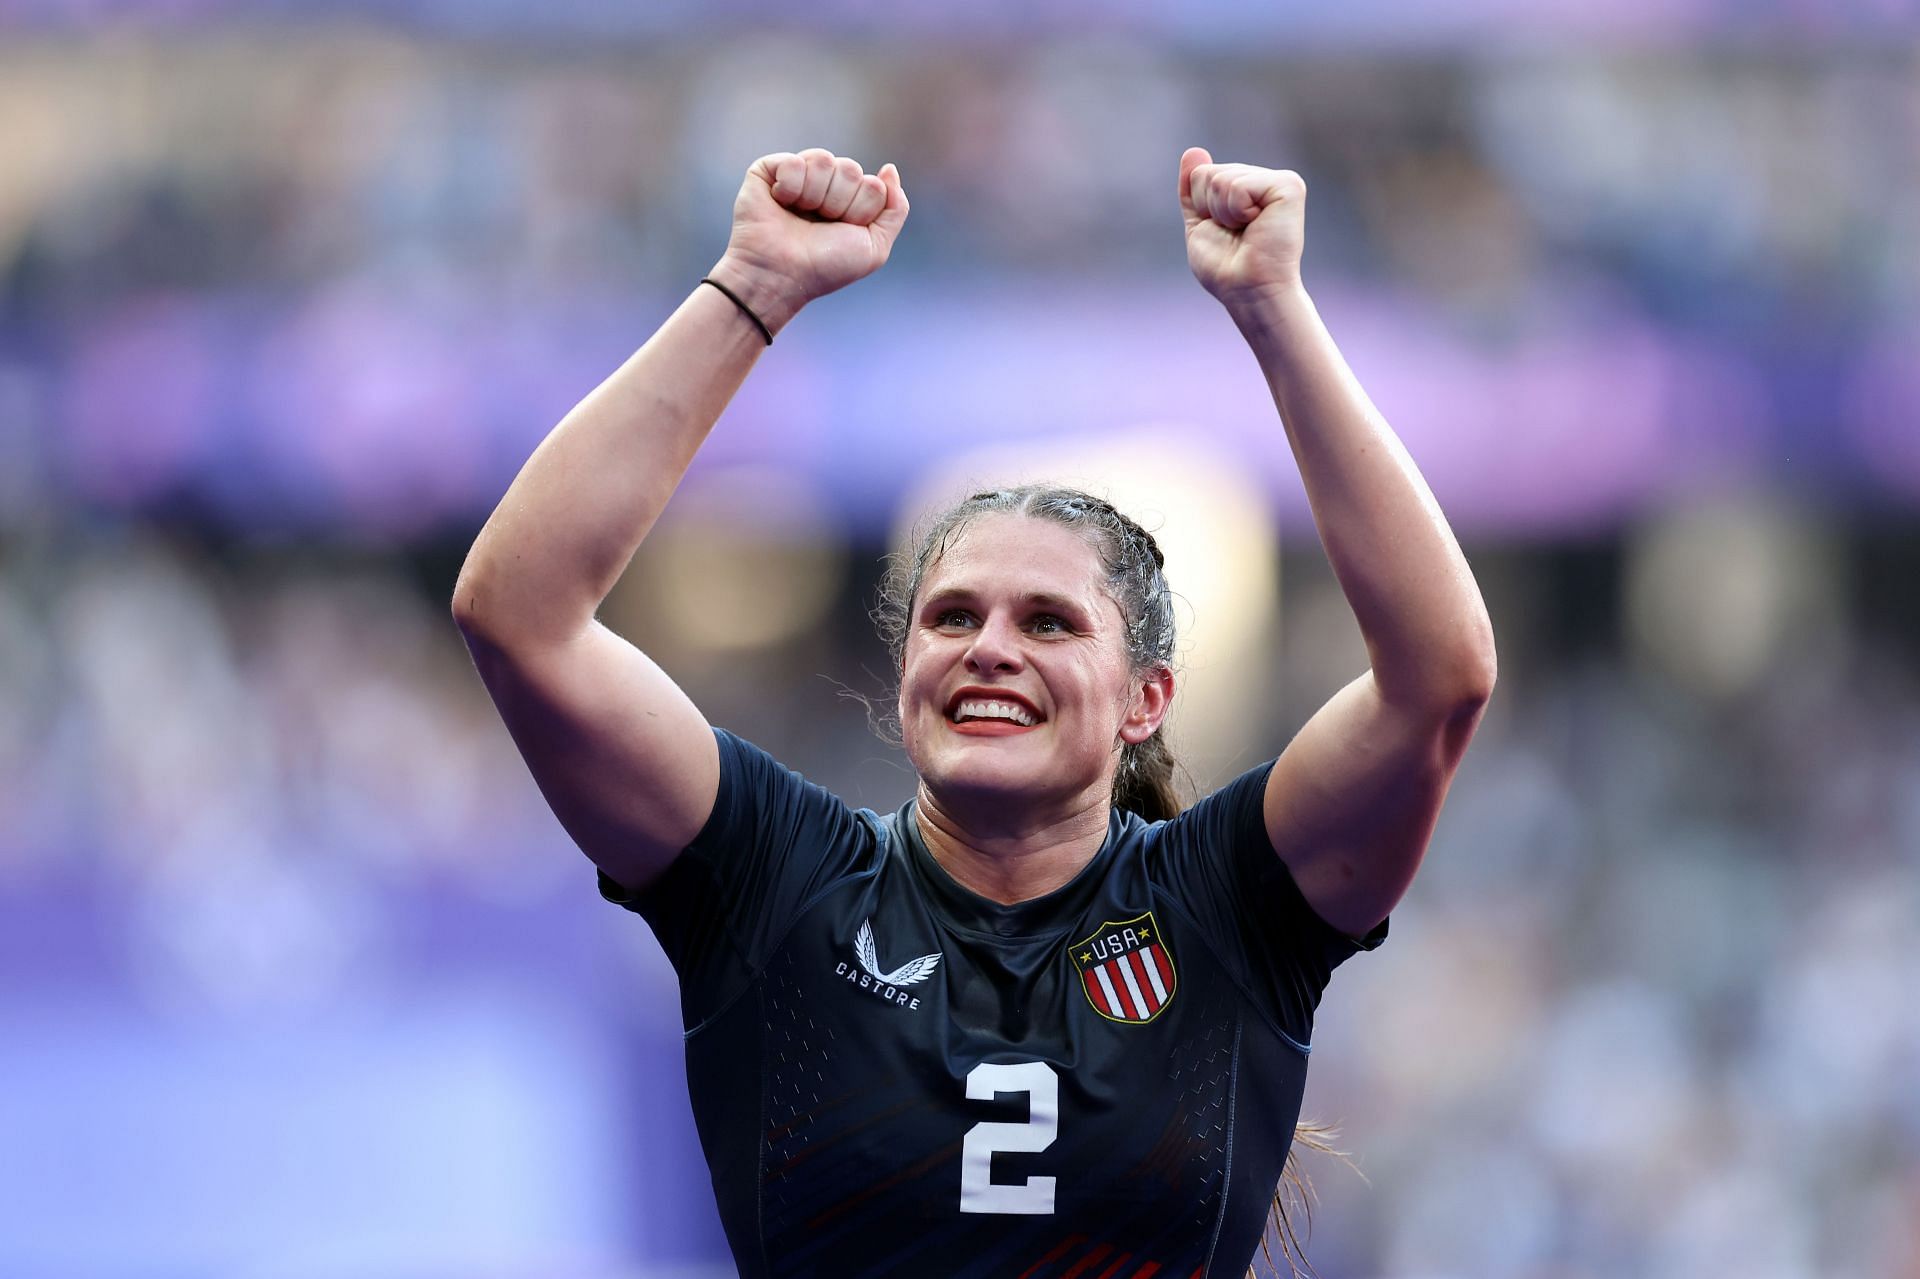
x=1032 y=599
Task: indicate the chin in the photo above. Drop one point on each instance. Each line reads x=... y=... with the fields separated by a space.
x=1006 y=780
x=962 y=766
x=979 y=778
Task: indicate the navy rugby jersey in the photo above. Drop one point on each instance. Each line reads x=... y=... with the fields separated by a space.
x=892 y=1075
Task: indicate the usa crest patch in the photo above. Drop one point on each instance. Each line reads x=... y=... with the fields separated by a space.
x=1126 y=970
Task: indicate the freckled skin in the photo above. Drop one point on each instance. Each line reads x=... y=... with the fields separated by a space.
x=975 y=625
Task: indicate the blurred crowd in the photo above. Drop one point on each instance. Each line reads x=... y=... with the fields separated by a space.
x=285 y=257
x=1731 y=186
x=1648 y=1010
x=1656 y=1011
x=282 y=310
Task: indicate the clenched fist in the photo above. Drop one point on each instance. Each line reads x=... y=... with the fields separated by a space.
x=1246 y=226
x=806 y=224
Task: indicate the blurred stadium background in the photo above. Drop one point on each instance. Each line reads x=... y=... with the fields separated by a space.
x=299 y=977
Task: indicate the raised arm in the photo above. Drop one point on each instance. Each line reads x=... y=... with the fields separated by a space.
x=626 y=761
x=1353 y=799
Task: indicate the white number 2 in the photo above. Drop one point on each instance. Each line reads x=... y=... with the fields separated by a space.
x=979 y=1192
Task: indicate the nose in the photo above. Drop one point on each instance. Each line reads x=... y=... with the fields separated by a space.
x=995 y=647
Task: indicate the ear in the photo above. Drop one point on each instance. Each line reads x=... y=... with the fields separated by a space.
x=1152 y=699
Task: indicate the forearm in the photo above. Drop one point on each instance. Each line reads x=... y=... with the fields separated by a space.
x=580 y=507
x=1420 y=612
x=804 y=225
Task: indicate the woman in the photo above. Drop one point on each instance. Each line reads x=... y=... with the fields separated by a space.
x=1023 y=1026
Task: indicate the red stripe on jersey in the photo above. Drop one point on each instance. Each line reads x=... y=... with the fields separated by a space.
x=1094 y=992
x=1138 y=962
x=1120 y=1008
x=1120 y=992
x=1140 y=979
x=1147 y=1271
x=1091 y=1259
x=1118 y=1262
x=1163 y=965
x=1060 y=1250
x=1117 y=972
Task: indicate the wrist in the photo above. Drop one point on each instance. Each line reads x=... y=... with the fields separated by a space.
x=773 y=300
x=1270 y=307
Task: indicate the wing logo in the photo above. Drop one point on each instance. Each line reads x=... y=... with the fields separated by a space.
x=891 y=985
x=911 y=973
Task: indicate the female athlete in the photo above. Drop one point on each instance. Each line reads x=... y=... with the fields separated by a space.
x=1038 y=1022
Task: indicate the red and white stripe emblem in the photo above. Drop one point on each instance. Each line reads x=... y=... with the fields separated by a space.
x=1126 y=969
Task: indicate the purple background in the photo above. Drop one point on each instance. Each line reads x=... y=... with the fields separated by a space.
x=299 y=976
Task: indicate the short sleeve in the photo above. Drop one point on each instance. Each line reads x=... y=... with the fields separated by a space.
x=1217 y=863
x=774 y=843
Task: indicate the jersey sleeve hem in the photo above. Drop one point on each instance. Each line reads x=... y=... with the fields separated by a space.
x=1369 y=941
x=1246 y=991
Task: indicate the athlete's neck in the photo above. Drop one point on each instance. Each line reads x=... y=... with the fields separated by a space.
x=1015 y=863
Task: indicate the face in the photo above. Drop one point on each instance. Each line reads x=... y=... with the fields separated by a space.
x=1016 y=682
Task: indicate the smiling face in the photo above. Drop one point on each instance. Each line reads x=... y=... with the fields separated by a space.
x=1016 y=685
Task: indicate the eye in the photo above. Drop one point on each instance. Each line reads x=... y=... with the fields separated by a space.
x=952 y=617
x=1050 y=624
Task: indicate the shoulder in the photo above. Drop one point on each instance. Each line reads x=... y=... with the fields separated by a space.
x=751 y=776
x=767 y=814
x=1229 y=816
x=1201 y=851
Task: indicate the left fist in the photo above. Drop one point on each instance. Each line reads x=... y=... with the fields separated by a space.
x=1246 y=226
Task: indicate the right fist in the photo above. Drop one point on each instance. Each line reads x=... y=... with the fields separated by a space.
x=807 y=224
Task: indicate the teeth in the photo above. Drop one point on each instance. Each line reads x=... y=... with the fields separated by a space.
x=980 y=708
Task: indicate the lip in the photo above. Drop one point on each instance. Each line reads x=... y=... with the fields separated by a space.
x=992 y=695
x=991 y=728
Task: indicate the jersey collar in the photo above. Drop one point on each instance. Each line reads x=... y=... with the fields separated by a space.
x=1037 y=918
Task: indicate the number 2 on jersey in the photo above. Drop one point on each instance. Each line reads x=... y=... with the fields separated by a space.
x=979 y=1192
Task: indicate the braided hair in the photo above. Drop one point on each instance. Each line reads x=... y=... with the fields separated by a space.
x=1133 y=565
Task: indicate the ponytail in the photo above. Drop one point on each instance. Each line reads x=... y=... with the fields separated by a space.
x=1143 y=783
x=1298 y=1187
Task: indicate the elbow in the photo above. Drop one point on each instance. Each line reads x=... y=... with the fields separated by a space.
x=484 y=640
x=1472 y=689
x=499 y=611
x=1476 y=673
x=1474 y=665
x=1447 y=679
x=1459 y=685
x=466 y=607
x=463 y=617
